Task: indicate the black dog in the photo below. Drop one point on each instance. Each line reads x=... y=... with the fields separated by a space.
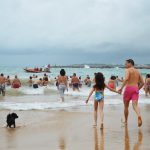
x=11 y=120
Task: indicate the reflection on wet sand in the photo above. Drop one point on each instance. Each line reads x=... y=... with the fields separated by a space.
x=139 y=142
x=62 y=144
x=10 y=137
x=127 y=140
x=97 y=146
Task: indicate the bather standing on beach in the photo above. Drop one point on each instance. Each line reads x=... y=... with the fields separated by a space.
x=133 y=82
x=2 y=84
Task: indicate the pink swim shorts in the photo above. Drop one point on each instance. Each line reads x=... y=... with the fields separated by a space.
x=131 y=93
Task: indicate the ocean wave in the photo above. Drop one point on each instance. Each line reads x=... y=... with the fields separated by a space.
x=84 y=92
x=59 y=105
x=39 y=105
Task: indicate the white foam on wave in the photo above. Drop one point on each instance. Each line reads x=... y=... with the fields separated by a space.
x=39 y=105
x=32 y=91
x=60 y=105
x=85 y=92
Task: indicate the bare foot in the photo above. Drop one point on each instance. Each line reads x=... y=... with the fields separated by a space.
x=124 y=122
x=94 y=125
x=102 y=126
x=139 y=121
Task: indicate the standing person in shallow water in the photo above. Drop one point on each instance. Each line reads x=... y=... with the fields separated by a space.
x=133 y=82
x=2 y=84
x=75 y=82
x=62 y=83
x=99 y=88
x=16 y=83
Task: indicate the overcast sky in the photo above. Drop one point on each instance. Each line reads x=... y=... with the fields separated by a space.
x=74 y=31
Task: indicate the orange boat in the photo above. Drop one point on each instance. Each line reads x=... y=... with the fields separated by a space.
x=37 y=71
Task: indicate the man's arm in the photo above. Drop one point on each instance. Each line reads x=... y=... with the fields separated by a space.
x=125 y=80
x=141 y=81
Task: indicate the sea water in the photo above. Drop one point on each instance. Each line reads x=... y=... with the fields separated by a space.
x=43 y=98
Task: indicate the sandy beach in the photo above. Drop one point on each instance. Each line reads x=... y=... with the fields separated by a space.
x=66 y=130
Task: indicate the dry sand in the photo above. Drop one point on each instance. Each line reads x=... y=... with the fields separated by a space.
x=64 y=130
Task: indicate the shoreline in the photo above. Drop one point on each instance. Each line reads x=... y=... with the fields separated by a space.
x=64 y=130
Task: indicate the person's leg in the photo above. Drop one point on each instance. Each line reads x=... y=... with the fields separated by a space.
x=126 y=111
x=137 y=110
x=61 y=93
x=3 y=92
x=101 y=106
x=95 y=113
x=146 y=91
x=149 y=90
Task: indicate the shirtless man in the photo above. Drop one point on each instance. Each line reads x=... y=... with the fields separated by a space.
x=16 y=83
x=2 y=84
x=133 y=82
x=75 y=82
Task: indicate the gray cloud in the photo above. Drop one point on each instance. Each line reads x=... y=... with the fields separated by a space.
x=81 y=28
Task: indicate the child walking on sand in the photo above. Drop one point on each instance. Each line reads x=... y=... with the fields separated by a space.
x=99 y=88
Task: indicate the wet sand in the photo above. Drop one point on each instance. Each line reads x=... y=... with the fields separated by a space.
x=65 y=130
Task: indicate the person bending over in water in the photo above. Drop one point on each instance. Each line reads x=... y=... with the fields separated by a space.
x=75 y=82
x=62 y=83
x=16 y=83
x=133 y=82
x=99 y=88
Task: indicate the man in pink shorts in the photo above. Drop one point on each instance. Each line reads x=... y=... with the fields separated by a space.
x=133 y=82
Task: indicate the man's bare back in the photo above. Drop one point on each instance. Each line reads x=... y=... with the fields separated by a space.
x=2 y=80
x=133 y=77
x=75 y=80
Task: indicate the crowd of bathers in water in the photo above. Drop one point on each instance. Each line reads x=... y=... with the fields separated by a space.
x=74 y=82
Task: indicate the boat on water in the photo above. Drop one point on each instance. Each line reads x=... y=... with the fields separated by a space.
x=46 y=69
x=36 y=71
x=86 y=66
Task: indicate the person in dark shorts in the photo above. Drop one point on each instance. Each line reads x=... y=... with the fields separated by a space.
x=75 y=82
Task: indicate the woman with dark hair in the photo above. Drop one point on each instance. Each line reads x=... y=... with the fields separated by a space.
x=62 y=83
x=99 y=88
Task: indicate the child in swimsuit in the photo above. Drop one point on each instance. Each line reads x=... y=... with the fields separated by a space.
x=99 y=88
